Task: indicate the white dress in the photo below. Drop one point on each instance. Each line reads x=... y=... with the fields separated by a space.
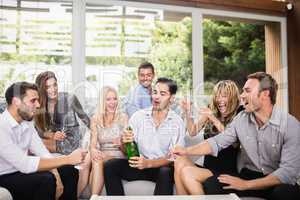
x=106 y=137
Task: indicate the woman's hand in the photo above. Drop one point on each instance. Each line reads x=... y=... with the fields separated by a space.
x=96 y=155
x=59 y=136
x=186 y=106
x=206 y=113
x=209 y=115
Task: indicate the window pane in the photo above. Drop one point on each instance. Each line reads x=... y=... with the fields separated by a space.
x=119 y=38
x=232 y=50
x=35 y=36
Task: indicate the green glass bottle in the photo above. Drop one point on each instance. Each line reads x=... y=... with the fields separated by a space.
x=131 y=147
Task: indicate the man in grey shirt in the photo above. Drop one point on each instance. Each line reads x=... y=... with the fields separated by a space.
x=269 y=159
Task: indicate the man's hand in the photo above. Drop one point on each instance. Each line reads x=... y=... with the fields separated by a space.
x=58 y=135
x=233 y=182
x=138 y=162
x=59 y=185
x=178 y=151
x=77 y=156
x=127 y=137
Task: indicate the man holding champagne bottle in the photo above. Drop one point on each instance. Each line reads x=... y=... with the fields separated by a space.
x=152 y=130
x=131 y=148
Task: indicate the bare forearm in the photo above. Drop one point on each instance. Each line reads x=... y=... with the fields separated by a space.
x=157 y=163
x=46 y=164
x=194 y=128
x=190 y=124
x=93 y=141
x=56 y=174
x=263 y=183
x=202 y=148
x=48 y=135
x=217 y=123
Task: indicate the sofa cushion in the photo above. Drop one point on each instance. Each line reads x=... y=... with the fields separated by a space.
x=4 y=194
x=138 y=187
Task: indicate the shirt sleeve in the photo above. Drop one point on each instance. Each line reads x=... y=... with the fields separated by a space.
x=289 y=166
x=133 y=123
x=77 y=107
x=14 y=155
x=37 y=146
x=181 y=132
x=223 y=139
x=133 y=102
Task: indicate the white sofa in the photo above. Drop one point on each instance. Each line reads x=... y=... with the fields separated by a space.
x=131 y=188
x=147 y=187
x=4 y=194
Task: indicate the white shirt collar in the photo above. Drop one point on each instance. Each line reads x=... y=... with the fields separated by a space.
x=12 y=122
x=148 y=113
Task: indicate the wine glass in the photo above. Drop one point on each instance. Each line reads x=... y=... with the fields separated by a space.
x=63 y=129
x=172 y=143
x=84 y=145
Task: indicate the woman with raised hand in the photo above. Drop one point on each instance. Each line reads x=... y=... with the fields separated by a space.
x=223 y=108
x=107 y=126
x=57 y=121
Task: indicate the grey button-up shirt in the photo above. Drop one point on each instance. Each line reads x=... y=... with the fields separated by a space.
x=271 y=149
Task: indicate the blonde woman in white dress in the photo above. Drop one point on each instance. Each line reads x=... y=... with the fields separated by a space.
x=107 y=125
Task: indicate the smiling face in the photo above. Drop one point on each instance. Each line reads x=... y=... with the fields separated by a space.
x=161 y=97
x=225 y=99
x=111 y=102
x=145 y=76
x=222 y=103
x=251 y=97
x=51 y=88
x=27 y=107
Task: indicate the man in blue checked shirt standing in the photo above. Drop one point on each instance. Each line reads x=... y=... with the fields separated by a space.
x=139 y=97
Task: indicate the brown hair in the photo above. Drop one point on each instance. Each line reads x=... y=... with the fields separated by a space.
x=42 y=119
x=146 y=65
x=266 y=82
x=19 y=90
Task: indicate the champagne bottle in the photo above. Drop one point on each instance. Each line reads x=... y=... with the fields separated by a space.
x=131 y=147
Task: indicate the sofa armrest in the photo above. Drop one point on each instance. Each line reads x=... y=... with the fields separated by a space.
x=4 y=194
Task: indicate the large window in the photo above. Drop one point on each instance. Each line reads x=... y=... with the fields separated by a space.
x=35 y=36
x=119 y=38
x=92 y=43
x=232 y=50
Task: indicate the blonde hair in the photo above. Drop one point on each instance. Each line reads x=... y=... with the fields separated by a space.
x=230 y=89
x=101 y=111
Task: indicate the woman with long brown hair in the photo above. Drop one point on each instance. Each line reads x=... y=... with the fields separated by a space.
x=57 y=121
x=223 y=108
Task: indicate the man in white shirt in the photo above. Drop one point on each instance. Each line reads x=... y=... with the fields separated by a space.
x=155 y=130
x=25 y=163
